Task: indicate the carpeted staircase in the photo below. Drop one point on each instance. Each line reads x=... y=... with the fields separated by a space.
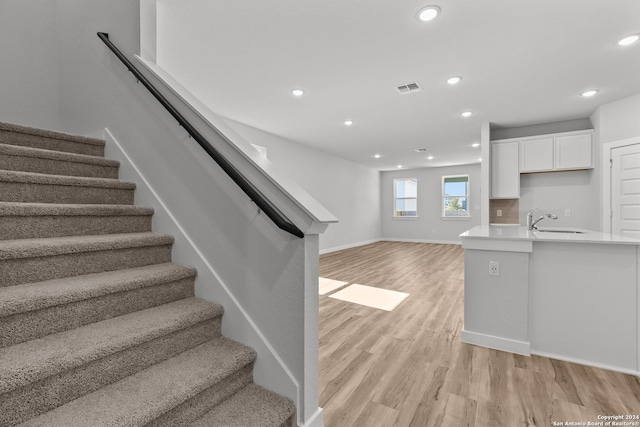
x=97 y=326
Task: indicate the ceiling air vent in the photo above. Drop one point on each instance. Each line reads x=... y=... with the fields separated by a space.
x=409 y=88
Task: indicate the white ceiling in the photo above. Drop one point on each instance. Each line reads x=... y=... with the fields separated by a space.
x=523 y=62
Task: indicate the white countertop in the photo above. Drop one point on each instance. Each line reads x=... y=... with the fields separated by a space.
x=496 y=232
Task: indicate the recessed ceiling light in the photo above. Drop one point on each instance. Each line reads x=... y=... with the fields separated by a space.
x=454 y=80
x=480 y=159
x=629 y=40
x=348 y=122
x=428 y=13
x=475 y=145
x=377 y=156
x=589 y=93
x=429 y=157
x=399 y=166
x=297 y=92
x=466 y=114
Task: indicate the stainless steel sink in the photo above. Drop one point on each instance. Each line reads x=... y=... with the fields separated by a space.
x=561 y=231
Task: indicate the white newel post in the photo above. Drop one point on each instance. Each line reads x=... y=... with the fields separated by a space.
x=310 y=414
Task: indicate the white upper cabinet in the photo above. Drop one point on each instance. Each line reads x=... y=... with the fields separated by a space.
x=543 y=153
x=536 y=155
x=556 y=152
x=505 y=170
x=573 y=152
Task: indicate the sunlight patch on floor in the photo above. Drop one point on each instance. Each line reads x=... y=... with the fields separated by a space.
x=382 y=299
x=329 y=285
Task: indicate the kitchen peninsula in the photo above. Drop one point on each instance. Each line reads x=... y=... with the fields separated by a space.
x=566 y=294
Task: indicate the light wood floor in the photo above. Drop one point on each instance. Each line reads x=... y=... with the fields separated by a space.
x=408 y=367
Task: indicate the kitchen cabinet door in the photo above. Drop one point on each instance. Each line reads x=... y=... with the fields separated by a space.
x=505 y=170
x=573 y=152
x=536 y=155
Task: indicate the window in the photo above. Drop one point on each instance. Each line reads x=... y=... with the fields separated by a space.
x=405 y=194
x=455 y=196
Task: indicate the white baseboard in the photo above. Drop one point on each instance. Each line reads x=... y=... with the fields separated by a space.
x=497 y=343
x=587 y=363
x=388 y=239
x=350 y=245
x=439 y=242
x=524 y=348
x=316 y=420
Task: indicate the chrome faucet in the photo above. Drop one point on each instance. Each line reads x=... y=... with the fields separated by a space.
x=531 y=224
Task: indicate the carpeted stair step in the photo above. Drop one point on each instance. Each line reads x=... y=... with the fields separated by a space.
x=34 y=310
x=36 y=260
x=27 y=159
x=49 y=140
x=172 y=393
x=253 y=406
x=42 y=374
x=97 y=326
x=40 y=220
x=33 y=187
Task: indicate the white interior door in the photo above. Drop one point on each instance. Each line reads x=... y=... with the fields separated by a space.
x=625 y=191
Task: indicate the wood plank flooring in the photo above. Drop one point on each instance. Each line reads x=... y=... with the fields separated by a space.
x=408 y=367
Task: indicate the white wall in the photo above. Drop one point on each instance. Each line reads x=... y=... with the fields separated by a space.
x=349 y=191
x=618 y=120
x=29 y=70
x=555 y=192
x=429 y=226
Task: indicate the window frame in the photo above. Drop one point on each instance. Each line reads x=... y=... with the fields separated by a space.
x=395 y=199
x=443 y=214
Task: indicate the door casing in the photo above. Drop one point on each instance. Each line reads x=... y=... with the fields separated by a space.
x=606 y=178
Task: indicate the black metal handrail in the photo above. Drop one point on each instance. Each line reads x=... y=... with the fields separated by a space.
x=254 y=194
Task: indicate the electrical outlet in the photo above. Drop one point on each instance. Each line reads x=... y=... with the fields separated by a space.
x=494 y=268
x=567 y=212
x=499 y=212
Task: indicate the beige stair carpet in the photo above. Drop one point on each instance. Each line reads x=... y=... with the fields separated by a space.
x=97 y=326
